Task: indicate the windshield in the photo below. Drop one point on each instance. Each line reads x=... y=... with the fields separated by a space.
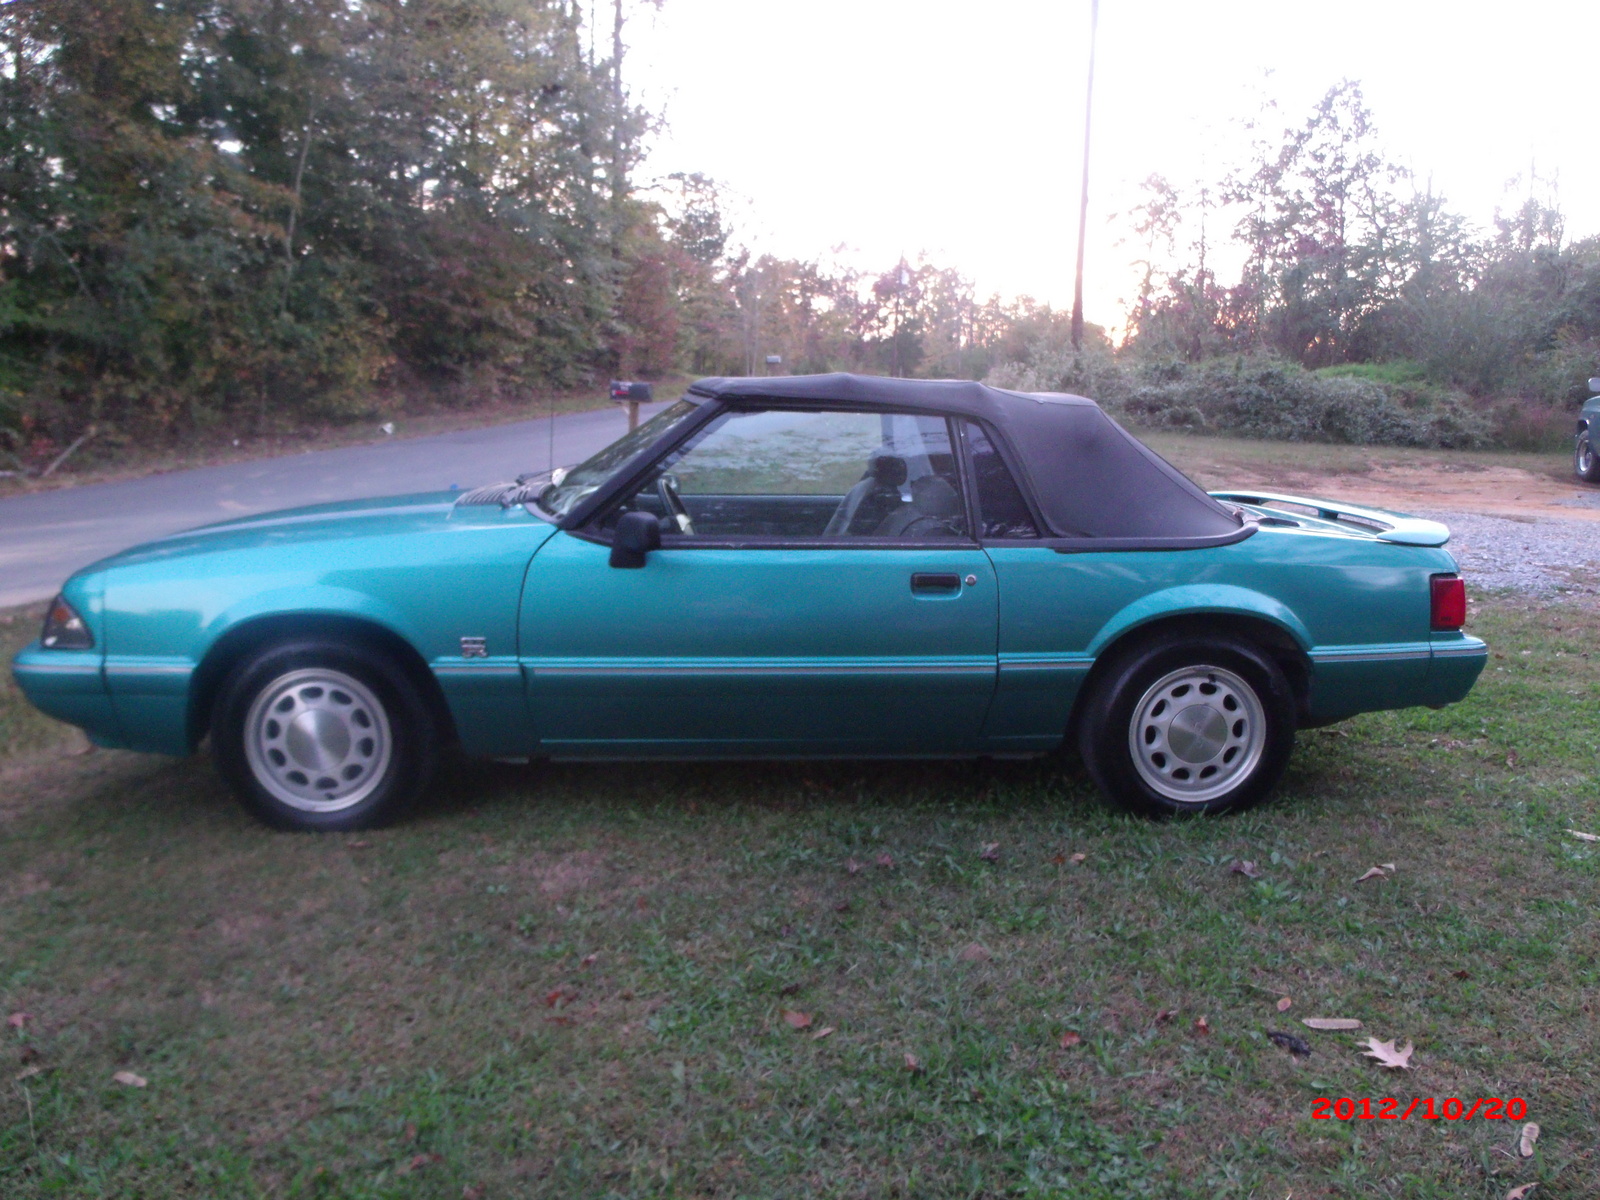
x=568 y=488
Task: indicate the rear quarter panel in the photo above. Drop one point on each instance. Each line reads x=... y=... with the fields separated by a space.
x=1357 y=608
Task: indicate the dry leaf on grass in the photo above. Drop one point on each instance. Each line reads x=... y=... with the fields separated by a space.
x=1330 y=1024
x=1075 y=859
x=1071 y=1038
x=1462 y=974
x=1521 y=1192
x=588 y=960
x=973 y=952
x=1584 y=837
x=913 y=1063
x=129 y=1079
x=1530 y=1138
x=1202 y=1026
x=822 y=1033
x=1165 y=1015
x=418 y=1161
x=1373 y=873
x=1385 y=1054
x=886 y=861
x=1294 y=1045
x=1247 y=868
x=18 y=1019
x=990 y=852
x=851 y=865
x=1284 y=1004
x=29 y=1072
x=796 y=1018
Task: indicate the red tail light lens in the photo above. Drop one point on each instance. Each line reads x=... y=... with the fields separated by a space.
x=1449 y=609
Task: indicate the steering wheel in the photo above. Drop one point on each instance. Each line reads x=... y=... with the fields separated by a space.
x=672 y=501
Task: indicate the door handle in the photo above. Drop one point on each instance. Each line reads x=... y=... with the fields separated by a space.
x=924 y=581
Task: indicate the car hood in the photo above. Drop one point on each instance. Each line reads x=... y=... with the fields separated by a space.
x=379 y=516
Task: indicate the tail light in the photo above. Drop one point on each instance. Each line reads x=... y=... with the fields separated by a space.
x=1449 y=602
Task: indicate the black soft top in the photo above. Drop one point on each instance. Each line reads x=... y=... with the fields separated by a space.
x=1090 y=477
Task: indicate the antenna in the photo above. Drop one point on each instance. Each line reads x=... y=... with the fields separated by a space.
x=551 y=465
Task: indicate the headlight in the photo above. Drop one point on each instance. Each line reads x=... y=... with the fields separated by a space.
x=64 y=628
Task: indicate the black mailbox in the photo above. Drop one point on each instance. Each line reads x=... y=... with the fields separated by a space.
x=626 y=391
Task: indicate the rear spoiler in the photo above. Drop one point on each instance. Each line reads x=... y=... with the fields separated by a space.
x=1384 y=526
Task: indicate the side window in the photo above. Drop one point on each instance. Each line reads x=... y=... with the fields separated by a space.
x=1002 y=512
x=793 y=475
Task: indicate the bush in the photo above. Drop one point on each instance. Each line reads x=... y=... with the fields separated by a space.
x=1263 y=397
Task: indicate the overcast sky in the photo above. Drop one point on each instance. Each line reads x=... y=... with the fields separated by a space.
x=955 y=129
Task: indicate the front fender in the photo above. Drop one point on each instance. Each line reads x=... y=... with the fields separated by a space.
x=316 y=600
x=1192 y=600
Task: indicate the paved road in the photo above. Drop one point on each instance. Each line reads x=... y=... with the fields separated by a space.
x=46 y=536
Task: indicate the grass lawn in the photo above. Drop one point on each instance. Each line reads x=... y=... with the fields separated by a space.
x=572 y=981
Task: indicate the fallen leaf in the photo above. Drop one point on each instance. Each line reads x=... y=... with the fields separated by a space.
x=990 y=852
x=1071 y=1038
x=1584 y=837
x=851 y=865
x=1059 y=859
x=474 y=1191
x=913 y=1063
x=1202 y=1026
x=1077 y=858
x=842 y=906
x=129 y=1079
x=1385 y=1054
x=1389 y=867
x=973 y=952
x=1530 y=1137
x=1294 y=1045
x=1522 y=1192
x=1373 y=873
x=18 y=1019
x=822 y=1033
x=588 y=960
x=1284 y=1004
x=1330 y=1024
x=554 y=998
x=1462 y=974
x=788 y=989
x=796 y=1018
x=886 y=861
x=410 y=1131
x=29 y=1072
x=1247 y=868
x=418 y=1161
x=1511 y=759
x=358 y=844
x=1165 y=1015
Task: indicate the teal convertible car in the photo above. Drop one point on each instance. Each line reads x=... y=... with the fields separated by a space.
x=782 y=567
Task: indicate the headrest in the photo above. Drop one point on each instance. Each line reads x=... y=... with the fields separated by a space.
x=889 y=470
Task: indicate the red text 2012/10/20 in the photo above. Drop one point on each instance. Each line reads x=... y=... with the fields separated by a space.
x=1426 y=1108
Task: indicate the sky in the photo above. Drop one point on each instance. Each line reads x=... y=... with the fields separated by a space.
x=877 y=128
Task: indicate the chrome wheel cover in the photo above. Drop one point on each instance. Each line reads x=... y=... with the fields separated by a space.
x=1585 y=457
x=1197 y=733
x=318 y=740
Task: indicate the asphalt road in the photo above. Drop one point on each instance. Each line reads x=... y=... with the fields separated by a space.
x=46 y=536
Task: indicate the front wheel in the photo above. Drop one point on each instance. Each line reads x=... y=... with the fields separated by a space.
x=322 y=736
x=1585 y=462
x=1189 y=725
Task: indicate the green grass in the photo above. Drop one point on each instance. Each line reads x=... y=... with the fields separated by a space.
x=570 y=981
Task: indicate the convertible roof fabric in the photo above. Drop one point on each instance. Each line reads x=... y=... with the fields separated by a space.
x=1091 y=477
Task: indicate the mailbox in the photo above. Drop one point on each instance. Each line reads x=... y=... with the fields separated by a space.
x=631 y=394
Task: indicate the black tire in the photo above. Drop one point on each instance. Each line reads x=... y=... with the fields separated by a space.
x=1586 y=459
x=1247 y=714
x=334 y=694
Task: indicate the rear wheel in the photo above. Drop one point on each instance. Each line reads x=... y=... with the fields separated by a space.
x=1189 y=725
x=316 y=735
x=1585 y=461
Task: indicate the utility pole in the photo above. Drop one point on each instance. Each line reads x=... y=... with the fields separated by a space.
x=1083 y=203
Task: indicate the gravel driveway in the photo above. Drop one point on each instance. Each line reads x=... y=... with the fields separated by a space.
x=1541 y=556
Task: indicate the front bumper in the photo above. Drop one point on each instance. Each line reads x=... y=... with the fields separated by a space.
x=70 y=686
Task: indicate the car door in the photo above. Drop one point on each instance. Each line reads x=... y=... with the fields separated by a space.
x=817 y=591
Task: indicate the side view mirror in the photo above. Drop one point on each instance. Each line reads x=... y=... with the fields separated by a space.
x=637 y=534
x=1594 y=384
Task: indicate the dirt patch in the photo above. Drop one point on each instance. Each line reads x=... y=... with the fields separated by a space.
x=1449 y=485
